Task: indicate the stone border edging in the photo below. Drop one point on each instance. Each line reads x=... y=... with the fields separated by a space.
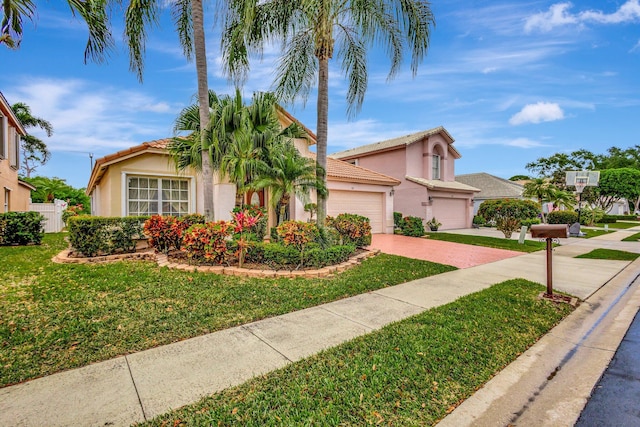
x=163 y=261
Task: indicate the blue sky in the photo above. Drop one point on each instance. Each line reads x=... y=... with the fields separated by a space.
x=511 y=82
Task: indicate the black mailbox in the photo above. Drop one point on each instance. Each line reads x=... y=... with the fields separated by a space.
x=550 y=231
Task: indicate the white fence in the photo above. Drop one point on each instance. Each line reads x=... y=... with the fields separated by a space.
x=52 y=213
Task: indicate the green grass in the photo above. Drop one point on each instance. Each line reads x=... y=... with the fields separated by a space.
x=60 y=316
x=594 y=232
x=611 y=254
x=618 y=225
x=407 y=374
x=491 y=242
x=632 y=238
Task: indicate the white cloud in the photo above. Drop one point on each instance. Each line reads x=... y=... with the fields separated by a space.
x=524 y=143
x=559 y=15
x=345 y=135
x=536 y=113
x=88 y=117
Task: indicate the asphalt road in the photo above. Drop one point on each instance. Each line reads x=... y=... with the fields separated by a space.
x=615 y=400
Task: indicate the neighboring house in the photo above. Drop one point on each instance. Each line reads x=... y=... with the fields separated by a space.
x=15 y=193
x=491 y=188
x=143 y=180
x=424 y=163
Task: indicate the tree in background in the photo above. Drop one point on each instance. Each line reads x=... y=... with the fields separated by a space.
x=309 y=31
x=49 y=189
x=616 y=184
x=520 y=178
x=34 y=150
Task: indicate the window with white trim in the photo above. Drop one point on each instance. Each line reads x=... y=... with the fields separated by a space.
x=435 y=167
x=7 y=198
x=161 y=196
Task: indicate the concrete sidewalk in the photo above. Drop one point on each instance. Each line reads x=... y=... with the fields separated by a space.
x=140 y=386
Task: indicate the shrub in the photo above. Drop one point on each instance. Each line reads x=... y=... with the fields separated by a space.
x=91 y=235
x=163 y=233
x=609 y=219
x=562 y=217
x=491 y=210
x=207 y=241
x=21 y=228
x=74 y=210
x=412 y=226
x=397 y=220
x=259 y=229
x=590 y=216
x=354 y=229
x=479 y=220
x=278 y=256
x=529 y=222
x=318 y=257
x=507 y=225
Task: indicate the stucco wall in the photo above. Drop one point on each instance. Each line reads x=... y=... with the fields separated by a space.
x=19 y=195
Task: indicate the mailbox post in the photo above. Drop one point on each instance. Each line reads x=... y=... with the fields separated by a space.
x=550 y=232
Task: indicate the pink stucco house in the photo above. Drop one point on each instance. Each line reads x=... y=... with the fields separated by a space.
x=424 y=163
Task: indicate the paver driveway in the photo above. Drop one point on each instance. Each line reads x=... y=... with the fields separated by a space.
x=456 y=254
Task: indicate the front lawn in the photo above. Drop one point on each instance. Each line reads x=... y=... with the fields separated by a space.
x=611 y=254
x=60 y=316
x=594 y=232
x=409 y=373
x=491 y=242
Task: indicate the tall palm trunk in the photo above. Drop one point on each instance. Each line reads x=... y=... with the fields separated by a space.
x=203 y=100
x=322 y=133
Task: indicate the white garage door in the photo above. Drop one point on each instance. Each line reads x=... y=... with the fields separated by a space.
x=452 y=213
x=357 y=202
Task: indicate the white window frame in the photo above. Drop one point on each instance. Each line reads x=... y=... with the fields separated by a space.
x=436 y=167
x=7 y=199
x=125 y=189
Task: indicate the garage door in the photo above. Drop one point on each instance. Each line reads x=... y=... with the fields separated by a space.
x=452 y=213
x=357 y=202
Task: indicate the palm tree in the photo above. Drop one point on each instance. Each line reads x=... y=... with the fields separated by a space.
x=541 y=189
x=562 y=198
x=34 y=150
x=287 y=173
x=309 y=31
x=188 y=17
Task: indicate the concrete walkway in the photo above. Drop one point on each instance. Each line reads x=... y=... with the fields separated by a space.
x=140 y=386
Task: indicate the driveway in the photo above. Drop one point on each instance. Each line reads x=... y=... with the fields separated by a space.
x=456 y=254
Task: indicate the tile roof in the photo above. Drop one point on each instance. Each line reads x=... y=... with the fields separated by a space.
x=491 y=187
x=390 y=144
x=337 y=170
x=436 y=184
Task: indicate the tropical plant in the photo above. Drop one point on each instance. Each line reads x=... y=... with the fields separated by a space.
x=541 y=189
x=412 y=226
x=563 y=198
x=434 y=224
x=286 y=173
x=309 y=31
x=507 y=225
x=34 y=150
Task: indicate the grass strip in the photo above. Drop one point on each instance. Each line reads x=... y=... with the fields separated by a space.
x=632 y=238
x=610 y=254
x=409 y=373
x=618 y=225
x=594 y=232
x=490 y=242
x=60 y=316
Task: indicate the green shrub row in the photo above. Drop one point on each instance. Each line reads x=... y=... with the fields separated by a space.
x=610 y=219
x=562 y=217
x=92 y=236
x=21 y=228
x=278 y=256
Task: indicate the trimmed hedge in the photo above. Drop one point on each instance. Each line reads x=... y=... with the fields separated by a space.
x=278 y=256
x=92 y=235
x=491 y=210
x=21 y=228
x=562 y=217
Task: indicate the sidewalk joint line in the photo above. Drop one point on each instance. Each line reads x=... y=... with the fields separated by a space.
x=135 y=387
x=399 y=300
x=370 y=328
x=267 y=343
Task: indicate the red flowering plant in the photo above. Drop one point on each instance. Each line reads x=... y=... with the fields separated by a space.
x=207 y=241
x=161 y=231
x=297 y=234
x=243 y=221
